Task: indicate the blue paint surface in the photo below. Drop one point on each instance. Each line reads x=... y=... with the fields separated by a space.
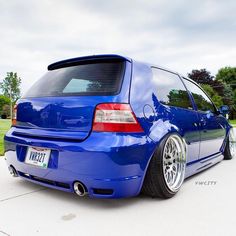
x=109 y=160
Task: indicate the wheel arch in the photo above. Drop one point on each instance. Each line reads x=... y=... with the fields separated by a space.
x=158 y=142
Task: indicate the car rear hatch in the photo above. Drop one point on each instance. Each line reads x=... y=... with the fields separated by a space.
x=61 y=104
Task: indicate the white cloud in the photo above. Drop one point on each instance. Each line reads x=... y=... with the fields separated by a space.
x=181 y=34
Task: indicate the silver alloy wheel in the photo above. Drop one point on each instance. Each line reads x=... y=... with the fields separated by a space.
x=232 y=143
x=174 y=162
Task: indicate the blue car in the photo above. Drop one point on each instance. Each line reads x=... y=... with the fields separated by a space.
x=108 y=126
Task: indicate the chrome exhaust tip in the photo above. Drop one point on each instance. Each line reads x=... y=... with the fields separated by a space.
x=80 y=189
x=12 y=171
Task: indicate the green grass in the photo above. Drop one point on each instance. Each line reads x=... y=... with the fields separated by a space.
x=232 y=122
x=4 y=127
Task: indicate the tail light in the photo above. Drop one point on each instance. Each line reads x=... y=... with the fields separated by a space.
x=14 y=116
x=115 y=117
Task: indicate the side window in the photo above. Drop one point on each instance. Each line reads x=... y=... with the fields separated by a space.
x=201 y=99
x=170 y=89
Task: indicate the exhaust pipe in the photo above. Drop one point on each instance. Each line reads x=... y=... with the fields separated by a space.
x=12 y=171
x=80 y=189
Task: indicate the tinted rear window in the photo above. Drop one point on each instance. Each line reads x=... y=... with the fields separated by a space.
x=103 y=78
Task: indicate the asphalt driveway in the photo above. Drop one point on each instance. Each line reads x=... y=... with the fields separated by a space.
x=206 y=205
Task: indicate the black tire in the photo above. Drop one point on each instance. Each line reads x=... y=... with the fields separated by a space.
x=154 y=183
x=227 y=153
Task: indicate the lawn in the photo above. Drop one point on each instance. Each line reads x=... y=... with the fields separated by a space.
x=4 y=127
x=233 y=122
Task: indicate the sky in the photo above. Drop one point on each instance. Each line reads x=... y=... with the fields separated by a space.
x=180 y=34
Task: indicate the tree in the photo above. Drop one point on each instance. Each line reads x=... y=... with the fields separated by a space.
x=229 y=99
x=228 y=95
x=6 y=112
x=213 y=95
x=227 y=75
x=11 y=86
x=4 y=102
x=201 y=76
x=234 y=100
x=234 y=95
x=214 y=88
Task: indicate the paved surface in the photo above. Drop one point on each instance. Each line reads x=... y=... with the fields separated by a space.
x=206 y=205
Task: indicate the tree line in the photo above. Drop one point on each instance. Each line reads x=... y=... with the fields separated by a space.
x=221 y=89
x=9 y=93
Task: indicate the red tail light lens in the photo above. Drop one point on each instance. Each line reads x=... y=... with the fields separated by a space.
x=115 y=117
x=14 y=116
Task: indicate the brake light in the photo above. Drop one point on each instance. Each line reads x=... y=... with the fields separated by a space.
x=115 y=117
x=14 y=116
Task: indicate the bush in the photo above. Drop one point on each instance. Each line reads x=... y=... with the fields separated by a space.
x=4 y=116
x=4 y=106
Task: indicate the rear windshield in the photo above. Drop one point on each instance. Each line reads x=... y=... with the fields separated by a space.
x=100 y=78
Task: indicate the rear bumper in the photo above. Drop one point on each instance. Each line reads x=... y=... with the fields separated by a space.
x=104 y=161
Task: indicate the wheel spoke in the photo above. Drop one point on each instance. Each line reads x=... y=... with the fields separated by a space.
x=174 y=162
x=174 y=168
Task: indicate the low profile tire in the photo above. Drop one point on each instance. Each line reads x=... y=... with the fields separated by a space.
x=166 y=170
x=230 y=148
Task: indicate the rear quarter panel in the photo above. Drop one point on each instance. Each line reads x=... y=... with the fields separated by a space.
x=156 y=119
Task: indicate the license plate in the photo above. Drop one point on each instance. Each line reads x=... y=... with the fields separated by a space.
x=38 y=157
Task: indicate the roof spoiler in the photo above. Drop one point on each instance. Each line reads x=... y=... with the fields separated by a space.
x=85 y=60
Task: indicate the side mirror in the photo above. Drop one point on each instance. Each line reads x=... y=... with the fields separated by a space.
x=224 y=110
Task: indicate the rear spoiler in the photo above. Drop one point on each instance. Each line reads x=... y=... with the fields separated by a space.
x=86 y=59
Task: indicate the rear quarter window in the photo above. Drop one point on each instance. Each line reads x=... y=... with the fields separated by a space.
x=100 y=78
x=170 y=90
x=201 y=99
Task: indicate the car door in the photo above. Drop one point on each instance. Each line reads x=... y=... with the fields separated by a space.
x=211 y=131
